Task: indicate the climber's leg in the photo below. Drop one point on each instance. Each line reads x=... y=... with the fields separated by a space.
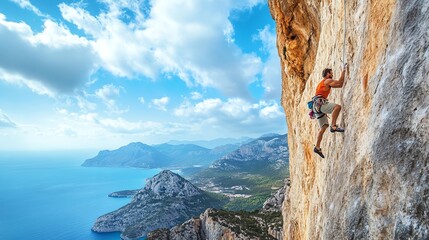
x=333 y=109
x=320 y=134
x=317 y=148
x=335 y=113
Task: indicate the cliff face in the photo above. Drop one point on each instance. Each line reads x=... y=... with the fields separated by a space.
x=373 y=183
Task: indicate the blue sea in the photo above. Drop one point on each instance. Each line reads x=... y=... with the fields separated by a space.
x=49 y=196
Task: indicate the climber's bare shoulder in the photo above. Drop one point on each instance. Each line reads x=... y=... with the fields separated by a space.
x=333 y=83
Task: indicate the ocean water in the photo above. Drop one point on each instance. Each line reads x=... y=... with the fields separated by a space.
x=50 y=196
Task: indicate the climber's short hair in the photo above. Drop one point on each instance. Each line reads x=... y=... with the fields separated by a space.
x=326 y=71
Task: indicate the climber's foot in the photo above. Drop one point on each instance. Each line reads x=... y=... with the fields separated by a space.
x=319 y=152
x=334 y=128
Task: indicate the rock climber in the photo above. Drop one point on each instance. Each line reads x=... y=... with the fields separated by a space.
x=322 y=106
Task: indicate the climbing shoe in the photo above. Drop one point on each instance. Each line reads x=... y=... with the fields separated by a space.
x=334 y=128
x=319 y=151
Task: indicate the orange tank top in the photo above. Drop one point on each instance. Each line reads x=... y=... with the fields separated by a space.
x=321 y=89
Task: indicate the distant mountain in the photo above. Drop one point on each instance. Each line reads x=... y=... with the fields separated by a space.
x=166 y=200
x=213 y=143
x=249 y=173
x=191 y=154
x=132 y=155
x=267 y=151
x=184 y=154
x=158 y=156
x=270 y=135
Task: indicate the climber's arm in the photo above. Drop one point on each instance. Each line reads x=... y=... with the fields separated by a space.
x=340 y=82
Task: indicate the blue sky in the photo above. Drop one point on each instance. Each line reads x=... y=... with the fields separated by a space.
x=101 y=74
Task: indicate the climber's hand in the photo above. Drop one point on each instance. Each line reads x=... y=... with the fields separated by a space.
x=345 y=66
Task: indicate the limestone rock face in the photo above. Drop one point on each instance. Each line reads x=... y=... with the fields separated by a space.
x=219 y=224
x=275 y=202
x=373 y=183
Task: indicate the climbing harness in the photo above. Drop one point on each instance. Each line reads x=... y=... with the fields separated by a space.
x=315 y=107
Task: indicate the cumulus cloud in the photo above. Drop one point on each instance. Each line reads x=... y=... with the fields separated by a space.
x=26 y=4
x=234 y=114
x=195 y=43
x=270 y=112
x=53 y=61
x=5 y=121
x=271 y=75
x=17 y=79
x=161 y=103
x=108 y=94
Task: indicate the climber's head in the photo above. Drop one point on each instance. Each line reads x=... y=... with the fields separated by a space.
x=326 y=72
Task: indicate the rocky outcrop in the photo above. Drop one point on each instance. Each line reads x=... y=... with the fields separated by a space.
x=124 y=194
x=275 y=202
x=269 y=151
x=166 y=200
x=218 y=224
x=373 y=182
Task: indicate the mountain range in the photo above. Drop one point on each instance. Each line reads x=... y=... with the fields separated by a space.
x=268 y=151
x=165 y=155
x=270 y=148
x=214 y=142
x=248 y=173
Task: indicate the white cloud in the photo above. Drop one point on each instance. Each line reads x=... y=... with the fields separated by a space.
x=46 y=62
x=214 y=107
x=108 y=94
x=123 y=126
x=161 y=103
x=35 y=86
x=92 y=122
x=234 y=114
x=196 y=95
x=85 y=105
x=195 y=43
x=58 y=36
x=5 y=121
x=81 y=18
x=141 y=100
x=271 y=75
x=271 y=112
x=26 y=4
